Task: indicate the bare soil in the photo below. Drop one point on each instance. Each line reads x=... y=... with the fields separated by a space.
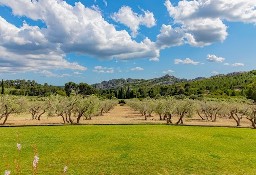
x=121 y=115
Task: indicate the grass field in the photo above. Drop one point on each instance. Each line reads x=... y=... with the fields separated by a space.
x=130 y=149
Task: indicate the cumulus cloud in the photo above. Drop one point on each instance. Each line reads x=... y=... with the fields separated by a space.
x=69 y=29
x=18 y=62
x=168 y=71
x=237 y=64
x=204 y=32
x=169 y=37
x=185 y=61
x=214 y=58
x=129 y=18
x=202 y=20
x=27 y=49
x=100 y=69
x=137 y=69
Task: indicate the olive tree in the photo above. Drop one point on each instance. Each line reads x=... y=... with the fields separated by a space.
x=63 y=107
x=138 y=105
x=37 y=107
x=208 y=110
x=10 y=105
x=251 y=115
x=106 y=106
x=94 y=107
x=165 y=109
x=85 y=107
x=237 y=111
x=169 y=109
x=59 y=106
x=183 y=108
x=145 y=107
x=160 y=108
x=149 y=107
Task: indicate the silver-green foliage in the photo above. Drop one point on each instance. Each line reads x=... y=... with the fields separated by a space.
x=9 y=105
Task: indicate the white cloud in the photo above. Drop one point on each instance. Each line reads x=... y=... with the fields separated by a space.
x=233 y=10
x=24 y=62
x=185 y=61
x=77 y=73
x=100 y=69
x=126 y=16
x=168 y=71
x=214 y=58
x=204 y=32
x=47 y=73
x=170 y=37
x=215 y=72
x=69 y=29
x=105 y=3
x=234 y=64
x=202 y=20
x=237 y=64
x=137 y=69
x=154 y=59
x=26 y=48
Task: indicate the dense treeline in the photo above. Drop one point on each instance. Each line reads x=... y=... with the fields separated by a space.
x=32 y=88
x=234 y=84
x=81 y=88
x=29 y=88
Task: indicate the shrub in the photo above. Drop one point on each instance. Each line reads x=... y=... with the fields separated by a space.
x=121 y=102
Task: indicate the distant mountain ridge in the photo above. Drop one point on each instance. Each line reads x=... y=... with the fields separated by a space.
x=164 y=80
x=116 y=83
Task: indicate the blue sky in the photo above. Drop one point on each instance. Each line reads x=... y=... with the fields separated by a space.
x=56 y=41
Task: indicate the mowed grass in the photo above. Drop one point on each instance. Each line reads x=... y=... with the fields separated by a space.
x=130 y=149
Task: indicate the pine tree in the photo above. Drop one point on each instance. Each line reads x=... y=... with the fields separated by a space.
x=2 y=85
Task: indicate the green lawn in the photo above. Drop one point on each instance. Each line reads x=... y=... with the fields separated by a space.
x=131 y=149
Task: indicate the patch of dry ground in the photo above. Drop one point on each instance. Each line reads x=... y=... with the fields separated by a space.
x=121 y=115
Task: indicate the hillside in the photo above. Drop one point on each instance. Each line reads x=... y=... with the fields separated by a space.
x=235 y=83
x=117 y=83
x=232 y=84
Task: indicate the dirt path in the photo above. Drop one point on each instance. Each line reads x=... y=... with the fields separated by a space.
x=120 y=115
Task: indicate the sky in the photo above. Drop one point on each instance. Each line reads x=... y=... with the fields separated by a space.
x=57 y=41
